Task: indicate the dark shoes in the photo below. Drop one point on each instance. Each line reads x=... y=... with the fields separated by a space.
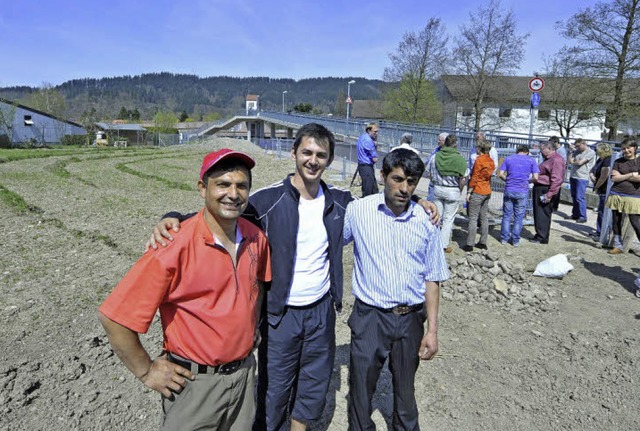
x=481 y=246
x=467 y=248
x=581 y=220
x=538 y=241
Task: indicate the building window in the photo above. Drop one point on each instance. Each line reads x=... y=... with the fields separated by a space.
x=467 y=112
x=584 y=115
x=505 y=113
x=28 y=121
x=544 y=114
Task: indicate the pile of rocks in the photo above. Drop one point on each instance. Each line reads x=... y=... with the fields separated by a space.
x=488 y=278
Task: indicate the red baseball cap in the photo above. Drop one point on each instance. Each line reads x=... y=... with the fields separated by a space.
x=211 y=159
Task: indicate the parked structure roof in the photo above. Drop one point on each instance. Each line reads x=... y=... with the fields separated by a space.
x=46 y=114
x=121 y=127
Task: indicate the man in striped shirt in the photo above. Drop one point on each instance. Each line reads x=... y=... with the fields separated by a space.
x=398 y=264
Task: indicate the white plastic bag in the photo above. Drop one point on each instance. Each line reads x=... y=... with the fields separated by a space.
x=554 y=267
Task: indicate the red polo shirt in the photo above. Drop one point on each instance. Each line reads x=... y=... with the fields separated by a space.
x=207 y=307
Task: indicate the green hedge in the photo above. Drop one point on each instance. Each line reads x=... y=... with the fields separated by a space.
x=74 y=140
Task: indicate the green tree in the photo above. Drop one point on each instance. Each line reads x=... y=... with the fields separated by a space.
x=303 y=107
x=123 y=114
x=183 y=117
x=607 y=46
x=165 y=121
x=488 y=45
x=419 y=58
x=135 y=115
x=211 y=116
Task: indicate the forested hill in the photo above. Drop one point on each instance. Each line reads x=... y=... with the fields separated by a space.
x=199 y=96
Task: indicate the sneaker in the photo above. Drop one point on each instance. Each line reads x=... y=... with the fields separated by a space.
x=467 y=248
x=516 y=244
x=504 y=242
x=637 y=293
x=481 y=246
x=581 y=220
x=615 y=250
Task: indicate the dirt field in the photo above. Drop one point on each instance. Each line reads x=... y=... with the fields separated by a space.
x=74 y=222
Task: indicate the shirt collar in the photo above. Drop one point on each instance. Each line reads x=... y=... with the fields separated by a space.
x=208 y=236
x=382 y=206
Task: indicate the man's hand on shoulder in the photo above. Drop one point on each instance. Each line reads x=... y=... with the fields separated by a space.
x=161 y=231
x=166 y=377
x=431 y=209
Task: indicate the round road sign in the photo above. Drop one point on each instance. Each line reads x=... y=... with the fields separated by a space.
x=536 y=84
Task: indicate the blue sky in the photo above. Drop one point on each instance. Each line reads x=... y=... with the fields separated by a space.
x=57 y=40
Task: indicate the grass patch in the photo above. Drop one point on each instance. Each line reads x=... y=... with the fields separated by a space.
x=122 y=167
x=59 y=169
x=13 y=200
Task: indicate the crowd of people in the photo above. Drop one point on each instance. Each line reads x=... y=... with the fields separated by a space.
x=209 y=279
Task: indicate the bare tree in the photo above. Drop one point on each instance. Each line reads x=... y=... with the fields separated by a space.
x=7 y=115
x=607 y=46
x=488 y=45
x=51 y=101
x=572 y=99
x=419 y=58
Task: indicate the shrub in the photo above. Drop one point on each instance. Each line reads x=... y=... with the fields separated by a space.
x=78 y=140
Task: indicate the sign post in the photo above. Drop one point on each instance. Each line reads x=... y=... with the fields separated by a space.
x=536 y=85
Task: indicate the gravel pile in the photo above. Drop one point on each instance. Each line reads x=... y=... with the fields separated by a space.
x=488 y=277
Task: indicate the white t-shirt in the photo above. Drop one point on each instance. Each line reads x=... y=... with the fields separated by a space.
x=311 y=271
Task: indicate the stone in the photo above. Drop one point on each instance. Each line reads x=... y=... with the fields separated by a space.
x=500 y=286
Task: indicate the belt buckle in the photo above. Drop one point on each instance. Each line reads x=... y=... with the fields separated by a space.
x=401 y=310
x=229 y=368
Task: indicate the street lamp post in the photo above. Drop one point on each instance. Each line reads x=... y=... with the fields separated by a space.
x=348 y=101
x=283 y=93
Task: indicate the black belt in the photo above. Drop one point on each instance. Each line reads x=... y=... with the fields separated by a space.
x=403 y=309
x=224 y=369
x=399 y=310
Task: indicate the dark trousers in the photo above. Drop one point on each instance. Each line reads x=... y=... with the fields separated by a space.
x=295 y=361
x=616 y=226
x=542 y=213
x=376 y=335
x=369 y=183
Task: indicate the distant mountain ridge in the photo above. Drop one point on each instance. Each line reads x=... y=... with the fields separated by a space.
x=198 y=96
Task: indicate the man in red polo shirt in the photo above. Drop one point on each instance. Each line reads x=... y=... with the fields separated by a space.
x=208 y=285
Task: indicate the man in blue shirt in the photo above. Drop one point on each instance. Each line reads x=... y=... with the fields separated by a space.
x=367 y=157
x=398 y=264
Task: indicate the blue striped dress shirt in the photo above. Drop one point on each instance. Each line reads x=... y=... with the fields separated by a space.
x=393 y=256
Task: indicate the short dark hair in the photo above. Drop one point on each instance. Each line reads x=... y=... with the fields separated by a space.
x=408 y=160
x=227 y=165
x=522 y=149
x=321 y=134
x=554 y=139
x=547 y=144
x=629 y=142
x=451 y=141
